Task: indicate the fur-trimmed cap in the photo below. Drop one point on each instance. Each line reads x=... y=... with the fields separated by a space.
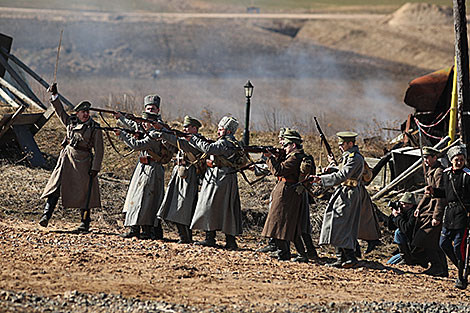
x=229 y=123
x=152 y=100
x=456 y=150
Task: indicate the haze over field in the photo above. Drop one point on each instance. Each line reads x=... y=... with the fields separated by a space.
x=200 y=65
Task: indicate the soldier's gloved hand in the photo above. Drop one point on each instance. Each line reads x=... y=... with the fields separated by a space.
x=53 y=89
x=93 y=173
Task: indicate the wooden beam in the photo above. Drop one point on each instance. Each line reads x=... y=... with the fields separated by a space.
x=33 y=75
x=7 y=125
x=19 y=94
x=21 y=82
x=5 y=96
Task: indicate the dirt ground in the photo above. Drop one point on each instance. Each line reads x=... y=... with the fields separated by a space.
x=383 y=54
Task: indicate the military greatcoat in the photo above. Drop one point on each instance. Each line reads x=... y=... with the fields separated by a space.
x=426 y=235
x=341 y=218
x=71 y=176
x=369 y=228
x=284 y=217
x=218 y=206
x=181 y=194
x=146 y=188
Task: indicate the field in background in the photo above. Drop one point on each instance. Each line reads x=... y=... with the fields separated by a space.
x=383 y=6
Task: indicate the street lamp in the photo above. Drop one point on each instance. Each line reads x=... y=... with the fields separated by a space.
x=248 y=93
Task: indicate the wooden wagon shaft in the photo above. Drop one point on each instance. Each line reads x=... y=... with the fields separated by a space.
x=19 y=94
x=5 y=96
x=410 y=171
x=12 y=119
x=33 y=74
x=21 y=82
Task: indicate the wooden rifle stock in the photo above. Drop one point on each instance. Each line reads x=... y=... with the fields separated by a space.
x=325 y=141
x=262 y=149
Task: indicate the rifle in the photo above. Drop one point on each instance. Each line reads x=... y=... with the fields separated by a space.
x=138 y=119
x=130 y=131
x=325 y=141
x=262 y=149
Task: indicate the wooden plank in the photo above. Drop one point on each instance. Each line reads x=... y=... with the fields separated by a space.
x=5 y=45
x=19 y=94
x=40 y=122
x=5 y=96
x=21 y=82
x=28 y=145
x=33 y=75
x=12 y=119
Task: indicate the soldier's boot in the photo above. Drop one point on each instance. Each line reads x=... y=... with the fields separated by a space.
x=283 y=250
x=270 y=247
x=357 y=250
x=351 y=259
x=405 y=254
x=184 y=233
x=51 y=203
x=371 y=245
x=85 y=224
x=311 y=251
x=340 y=258
x=146 y=232
x=461 y=281
x=209 y=241
x=134 y=231
x=230 y=242
x=157 y=233
x=437 y=268
x=302 y=254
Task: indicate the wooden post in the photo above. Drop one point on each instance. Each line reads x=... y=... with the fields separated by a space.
x=461 y=54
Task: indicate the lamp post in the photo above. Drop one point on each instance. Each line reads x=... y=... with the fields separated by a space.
x=248 y=93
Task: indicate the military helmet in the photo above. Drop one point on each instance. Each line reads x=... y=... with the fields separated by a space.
x=191 y=121
x=292 y=136
x=346 y=137
x=82 y=106
x=152 y=100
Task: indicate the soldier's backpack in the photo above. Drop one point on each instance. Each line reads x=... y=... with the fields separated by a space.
x=366 y=173
x=307 y=168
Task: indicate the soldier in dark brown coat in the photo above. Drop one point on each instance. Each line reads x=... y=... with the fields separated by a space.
x=429 y=215
x=284 y=214
x=75 y=174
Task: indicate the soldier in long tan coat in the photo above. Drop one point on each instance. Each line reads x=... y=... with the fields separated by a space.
x=341 y=218
x=283 y=220
x=75 y=175
x=429 y=214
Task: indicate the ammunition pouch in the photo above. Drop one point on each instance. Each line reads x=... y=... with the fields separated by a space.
x=350 y=182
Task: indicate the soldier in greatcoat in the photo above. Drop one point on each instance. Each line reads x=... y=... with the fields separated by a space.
x=218 y=206
x=145 y=193
x=285 y=210
x=75 y=175
x=181 y=194
x=341 y=218
x=429 y=214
